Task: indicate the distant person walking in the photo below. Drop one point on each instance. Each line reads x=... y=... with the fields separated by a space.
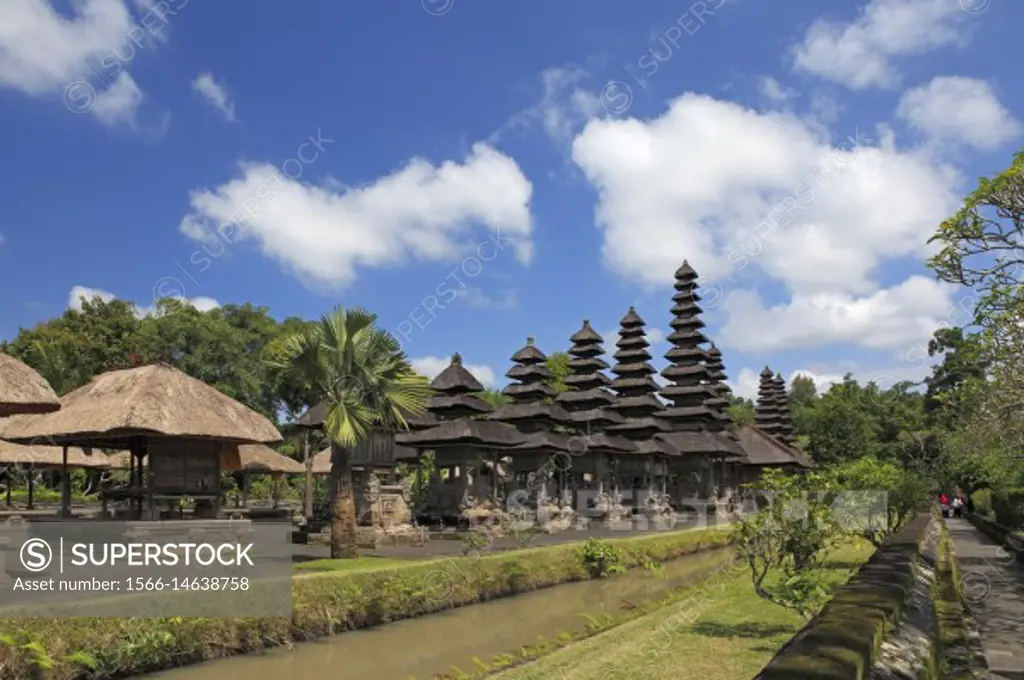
x=944 y=504
x=958 y=505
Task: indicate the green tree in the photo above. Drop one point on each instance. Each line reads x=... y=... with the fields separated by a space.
x=786 y=541
x=558 y=364
x=802 y=391
x=495 y=398
x=368 y=383
x=842 y=428
x=223 y=347
x=982 y=245
x=741 y=410
x=81 y=343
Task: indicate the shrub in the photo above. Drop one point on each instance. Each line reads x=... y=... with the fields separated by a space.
x=982 y=500
x=601 y=558
x=1008 y=507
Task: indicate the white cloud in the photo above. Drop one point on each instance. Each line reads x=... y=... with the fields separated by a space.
x=891 y=318
x=79 y=292
x=563 y=108
x=774 y=90
x=203 y=304
x=727 y=187
x=44 y=52
x=3 y=239
x=859 y=53
x=325 y=233
x=119 y=102
x=432 y=366
x=476 y=298
x=957 y=109
x=745 y=383
x=216 y=94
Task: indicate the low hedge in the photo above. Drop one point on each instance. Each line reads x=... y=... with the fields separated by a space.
x=323 y=604
x=842 y=641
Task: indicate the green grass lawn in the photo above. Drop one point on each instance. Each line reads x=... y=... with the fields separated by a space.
x=727 y=634
x=355 y=564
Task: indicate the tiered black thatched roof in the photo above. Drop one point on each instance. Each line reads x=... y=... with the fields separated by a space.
x=452 y=407
x=690 y=392
x=530 y=409
x=588 y=397
x=766 y=411
x=636 y=399
x=716 y=371
x=786 y=426
x=698 y=418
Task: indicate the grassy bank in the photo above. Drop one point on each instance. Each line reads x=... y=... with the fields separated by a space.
x=718 y=630
x=324 y=602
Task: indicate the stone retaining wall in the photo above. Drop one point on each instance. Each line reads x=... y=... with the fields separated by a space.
x=843 y=641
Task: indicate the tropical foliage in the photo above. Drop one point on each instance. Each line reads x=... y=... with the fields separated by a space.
x=365 y=378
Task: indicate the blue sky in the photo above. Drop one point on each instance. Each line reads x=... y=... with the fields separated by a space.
x=373 y=154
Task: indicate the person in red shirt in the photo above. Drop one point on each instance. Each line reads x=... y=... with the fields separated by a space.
x=944 y=499
x=944 y=504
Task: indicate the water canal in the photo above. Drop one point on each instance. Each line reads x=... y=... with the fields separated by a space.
x=427 y=646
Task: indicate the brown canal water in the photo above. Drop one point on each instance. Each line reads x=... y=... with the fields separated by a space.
x=424 y=647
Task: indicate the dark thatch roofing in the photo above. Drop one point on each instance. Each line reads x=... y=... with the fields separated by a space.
x=631 y=319
x=698 y=442
x=22 y=390
x=460 y=432
x=765 y=450
x=154 y=400
x=530 y=412
x=529 y=354
x=458 y=402
x=685 y=272
x=545 y=442
x=455 y=379
x=586 y=335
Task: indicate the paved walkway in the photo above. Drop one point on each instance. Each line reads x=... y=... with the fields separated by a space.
x=993 y=586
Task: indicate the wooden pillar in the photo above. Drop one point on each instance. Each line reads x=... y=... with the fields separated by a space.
x=7 y=478
x=65 y=485
x=275 y=489
x=308 y=480
x=31 y=488
x=245 y=489
x=150 y=501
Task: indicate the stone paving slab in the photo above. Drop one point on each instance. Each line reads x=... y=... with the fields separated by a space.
x=992 y=581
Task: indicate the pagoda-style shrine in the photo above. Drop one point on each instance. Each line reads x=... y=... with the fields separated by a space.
x=588 y=402
x=698 y=419
x=462 y=444
x=720 y=403
x=766 y=411
x=786 y=426
x=637 y=403
x=769 y=442
x=532 y=414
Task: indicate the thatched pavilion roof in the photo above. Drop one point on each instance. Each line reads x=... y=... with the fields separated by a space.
x=51 y=456
x=765 y=450
x=463 y=432
x=262 y=458
x=154 y=400
x=22 y=390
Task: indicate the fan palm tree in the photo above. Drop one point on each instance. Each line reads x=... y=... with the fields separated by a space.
x=364 y=376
